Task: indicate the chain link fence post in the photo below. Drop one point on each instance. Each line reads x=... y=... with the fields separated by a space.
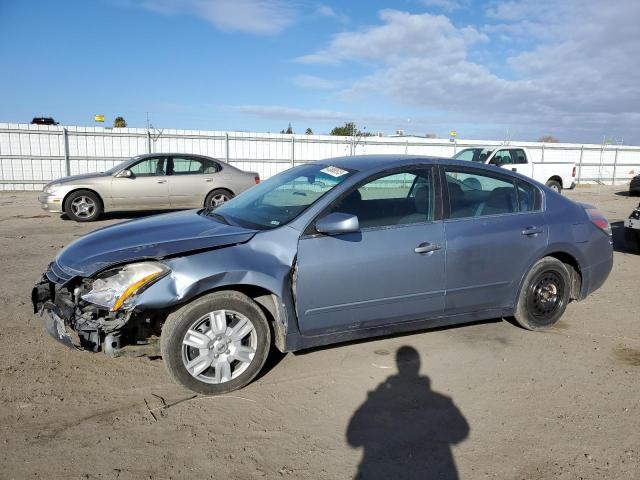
x=615 y=167
x=226 y=146
x=580 y=164
x=65 y=145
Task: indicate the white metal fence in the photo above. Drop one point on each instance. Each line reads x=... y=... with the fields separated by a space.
x=32 y=155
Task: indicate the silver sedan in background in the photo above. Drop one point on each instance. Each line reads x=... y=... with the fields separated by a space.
x=151 y=181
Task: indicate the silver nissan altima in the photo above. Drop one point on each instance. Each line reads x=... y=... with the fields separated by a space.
x=147 y=182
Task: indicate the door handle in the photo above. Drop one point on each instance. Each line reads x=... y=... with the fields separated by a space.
x=426 y=247
x=532 y=231
x=208 y=179
x=162 y=181
x=514 y=169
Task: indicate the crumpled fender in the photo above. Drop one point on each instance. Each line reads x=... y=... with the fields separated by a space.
x=265 y=261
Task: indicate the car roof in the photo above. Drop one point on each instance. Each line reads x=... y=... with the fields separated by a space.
x=162 y=154
x=364 y=163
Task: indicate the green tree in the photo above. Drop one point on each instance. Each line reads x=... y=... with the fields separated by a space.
x=308 y=131
x=119 y=122
x=347 y=130
x=288 y=131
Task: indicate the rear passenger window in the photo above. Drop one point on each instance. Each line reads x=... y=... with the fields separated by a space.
x=528 y=197
x=398 y=199
x=518 y=156
x=476 y=195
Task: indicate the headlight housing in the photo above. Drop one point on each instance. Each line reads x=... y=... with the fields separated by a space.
x=52 y=187
x=116 y=289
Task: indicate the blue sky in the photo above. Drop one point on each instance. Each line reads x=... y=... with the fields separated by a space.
x=494 y=69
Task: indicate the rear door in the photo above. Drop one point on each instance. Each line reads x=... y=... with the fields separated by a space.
x=147 y=187
x=495 y=229
x=191 y=180
x=392 y=270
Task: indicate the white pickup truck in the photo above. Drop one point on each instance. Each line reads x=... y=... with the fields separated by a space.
x=555 y=175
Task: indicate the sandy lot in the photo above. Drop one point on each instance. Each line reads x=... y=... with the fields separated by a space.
x=490 y=400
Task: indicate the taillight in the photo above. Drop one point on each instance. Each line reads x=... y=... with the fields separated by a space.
x=257 y=179
x=573 y=174
x=599 y=220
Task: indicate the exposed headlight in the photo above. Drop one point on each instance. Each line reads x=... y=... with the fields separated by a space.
x=52 y=188
x=117 y=288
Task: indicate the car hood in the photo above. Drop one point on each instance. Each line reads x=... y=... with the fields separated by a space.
x=75 y=178
x=154 y=237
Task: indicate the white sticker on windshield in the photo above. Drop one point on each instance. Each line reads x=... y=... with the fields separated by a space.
x=334 y=171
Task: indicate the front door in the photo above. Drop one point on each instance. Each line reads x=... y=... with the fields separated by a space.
x=147 y=187
x=495 y=230
x=392 y=270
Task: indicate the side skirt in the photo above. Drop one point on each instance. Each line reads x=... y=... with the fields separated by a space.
x=299 y=342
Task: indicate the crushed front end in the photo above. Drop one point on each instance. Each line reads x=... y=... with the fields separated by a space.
x=83 y=325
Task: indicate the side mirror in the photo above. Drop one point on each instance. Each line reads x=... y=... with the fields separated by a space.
x=495 y=161
x=125 y=174
x=337 y=223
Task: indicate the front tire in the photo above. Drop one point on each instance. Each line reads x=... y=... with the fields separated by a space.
x=544 y=295
x=217 y=343
x=83 y=206
x=555 y=186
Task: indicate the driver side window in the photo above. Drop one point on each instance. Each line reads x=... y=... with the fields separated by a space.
x=149 y=167
x=401 y=198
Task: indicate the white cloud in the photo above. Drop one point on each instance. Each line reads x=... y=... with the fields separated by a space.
x=401 y=36
x=260 y=17
x=328 y=12
x=577 y=80
x=325 y=115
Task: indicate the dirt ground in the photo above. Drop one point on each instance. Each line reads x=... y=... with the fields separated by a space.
x=490 y=400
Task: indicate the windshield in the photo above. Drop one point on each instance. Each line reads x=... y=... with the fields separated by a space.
x=281 y=198
x=473 y=154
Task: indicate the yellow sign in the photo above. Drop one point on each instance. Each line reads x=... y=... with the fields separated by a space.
x=99 y=118
x=453 y=134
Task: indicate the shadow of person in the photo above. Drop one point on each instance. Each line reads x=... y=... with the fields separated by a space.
x=405 y=428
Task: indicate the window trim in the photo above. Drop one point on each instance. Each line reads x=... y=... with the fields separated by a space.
x=500 y=176
x=310 y=231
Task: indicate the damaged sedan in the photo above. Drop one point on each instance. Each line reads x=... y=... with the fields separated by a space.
x=325 y=252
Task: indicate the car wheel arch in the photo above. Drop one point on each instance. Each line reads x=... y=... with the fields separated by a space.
x=569 y=260
x=82 y=189
x=555 y=178
x=269 y=302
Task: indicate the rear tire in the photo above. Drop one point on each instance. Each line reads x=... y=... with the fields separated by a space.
x=555 y=186
x=217 y=197
x=544 y=294
x=211 y=352
x=83 y=206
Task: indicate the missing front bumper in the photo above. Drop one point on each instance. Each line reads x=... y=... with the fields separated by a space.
x=55 y=326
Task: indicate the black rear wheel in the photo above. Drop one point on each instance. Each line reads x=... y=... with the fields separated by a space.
x=544 y=295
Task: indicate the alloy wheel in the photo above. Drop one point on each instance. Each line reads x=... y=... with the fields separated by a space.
x=218 y=200
x=219 y=346
x=83 y=207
